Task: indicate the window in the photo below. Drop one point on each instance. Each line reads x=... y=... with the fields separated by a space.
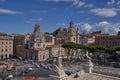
x=43 y=57
x=5 y=49
x=74 y=39
x=1 y=50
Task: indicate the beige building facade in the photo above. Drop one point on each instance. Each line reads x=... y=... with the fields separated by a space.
x=107 y=40
x=6 y=46
x=100 y=39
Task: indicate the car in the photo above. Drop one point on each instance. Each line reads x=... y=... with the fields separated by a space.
x=9 y=69
x=8 y=79
x=10 y=76
x=13 y=59
x=41 y=65
x=20 y=58
x=45 y=67
x=68 y=73
x=30 y=68
x=26 y=61
x=32 y=63
x=37 y=66
x=27 y=71
x=50 y=68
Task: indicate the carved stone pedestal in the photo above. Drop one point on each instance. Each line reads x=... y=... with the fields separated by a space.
x=88 y=67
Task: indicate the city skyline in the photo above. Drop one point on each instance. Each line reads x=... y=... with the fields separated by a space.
x=92 y=15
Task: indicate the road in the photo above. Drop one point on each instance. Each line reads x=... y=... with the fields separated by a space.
x=35 y=72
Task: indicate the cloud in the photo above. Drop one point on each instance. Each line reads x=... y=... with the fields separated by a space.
x=105 y=12
x=39 y=11
x=106 y=27
x=118 y=3
x=86 y=27
x=7 y=11
x=60 y=0
x=103 y=26
x=61 y=25
x=103 y=23
x=34 y=20
x=2 y=0
x=112 y=2
x=78 y=3
x=89 y=5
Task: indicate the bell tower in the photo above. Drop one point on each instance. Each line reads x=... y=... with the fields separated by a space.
x=37 y=28
x=72 y=32
x=71 y=24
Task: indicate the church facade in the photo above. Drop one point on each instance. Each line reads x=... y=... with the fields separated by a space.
x=70 y=34
x=34 y=47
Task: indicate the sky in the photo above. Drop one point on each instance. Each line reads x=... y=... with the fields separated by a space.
x=20 y=16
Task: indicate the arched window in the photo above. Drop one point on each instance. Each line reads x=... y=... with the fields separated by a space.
x=6 y=56
x=74 y=39
x=1 y=56
x=43 y=57
x=10 y=55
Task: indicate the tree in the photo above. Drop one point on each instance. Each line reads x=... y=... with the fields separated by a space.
x=47 y=33
x=3 y=74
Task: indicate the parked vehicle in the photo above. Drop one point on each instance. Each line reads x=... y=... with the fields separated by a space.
x=30 y=68
x=10 y=76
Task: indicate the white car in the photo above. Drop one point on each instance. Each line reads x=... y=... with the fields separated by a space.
x=30 y=69
x=10 y=76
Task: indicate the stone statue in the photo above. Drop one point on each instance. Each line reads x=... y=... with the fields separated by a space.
x=88 y=57
x=58 y=67
x=59 y=71
x=88 y=66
